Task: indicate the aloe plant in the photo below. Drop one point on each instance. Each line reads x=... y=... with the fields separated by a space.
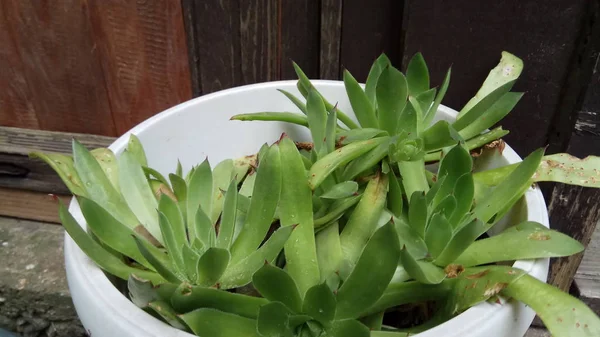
x=328 y=238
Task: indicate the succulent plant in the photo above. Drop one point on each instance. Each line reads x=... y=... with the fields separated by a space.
x=327 y=238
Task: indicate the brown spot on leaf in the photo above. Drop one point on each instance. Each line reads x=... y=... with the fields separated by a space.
x=559 y=319
x=308 y=146
x=577 y=325
x=453 y=270
x=538 y=236
x=143 y=232
x=478 y=275
x=495 y=289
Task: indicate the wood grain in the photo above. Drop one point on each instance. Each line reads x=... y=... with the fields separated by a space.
x=588 y=274
x=300 y=39
x=331 y=35
x=218 y=33
x=30 y=205
x=259 y=40
x=470 y=35
x=60 y=65
x=369 y=29
x=188 y=8
x=17 y=170
x=144 y=57
x=16 y=108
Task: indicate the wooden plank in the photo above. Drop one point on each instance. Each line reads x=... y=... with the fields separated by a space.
x=144 y=57
x=300 y=40
x=588 y=274
x=60 y=65
x=17 y=170
x=258 y=40
x=15 y=95
x=368 y=29
x=575 y=210
x=30 y=205
x=331 y=36
x=217 y=26
x=188 y=9
x=537 y=332
x=470 y=35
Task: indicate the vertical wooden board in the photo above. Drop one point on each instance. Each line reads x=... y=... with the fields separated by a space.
x=470 y=35
x=60 y=64
x=331 y=38
x=369 y=29
x=144 y=57
x=300 y=39
x=217 y=25
x=188 y=9
x=16 y=108
x=258 y=40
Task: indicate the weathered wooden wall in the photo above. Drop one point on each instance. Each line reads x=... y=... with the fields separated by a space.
x=90 y=66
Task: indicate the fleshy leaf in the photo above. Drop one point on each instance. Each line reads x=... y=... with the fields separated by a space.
x=400 y=293
x=562 y=314
x=417 y=75
x=265 y=197
x=371 y=275
x=273 y=320
x=211 y=266
x=329 y=163
x=329 y=251
x=187 y=298
x=417 y=213
x=222 y=175
x=175 y=219
x=148 y=171
x=395 y=201
x=108 y=161
x=391 y=92
x=438 y=100
x=190 y=256
x=342 y=190
x=348 y=328
x=160 y=265
x=438 y=234
x=180 y=190
x=492 y=115
x=422 y=271
x=508 y=70
x=440 y=135
x=165 y=311
x=275 y=284
x=336 y=210
x=367 y=161
x=320 y=304
x=199 y=195
x=215 y=323
x=273 y=116
x=378 y=66
x=227 y=224
x=63 y=165
x=408 y=237
x=477 y=111
x=297 y=102
x=460 y=241
x=519 y=244
x=345 y=137
x=240 y=273
x=134 y=146
x=361 y=105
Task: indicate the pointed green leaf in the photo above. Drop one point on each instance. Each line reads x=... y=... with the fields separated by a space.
x=273 y=320
x=440 y=135
x=105 y=260
x=187 y=298
x=408 y=121
x=320 y=304
x=148 y=171
x=141 y=292
x=364 y=218
x=329 y=163
x=137 y=193
x=518 y=245
x=134 y=146
x=227 y=224
x=377 y=68
x=422 y=271
x=507 y=71
x=429 y=116
x=211 y=266
x=199 y=196
x=345 y=137
x=180 y=190
x=395 y=200
x=161 y=268
x=171 y=243
x=464 y=192
x=179 y=169
x=330 y=129
x=275 y=284
x=342 y=190
x=501 y=196
x=362 y=107
x=108 y=162
x=348 y=328
x=371 y=275
x=417 y=75
x=110 y=231
x=99 y=188
x=265 y=197
x=222 y=176
x=295 y=208
x=400 y=293
x=408 y=237
x=329 y=251
x=417 y=213
x=164 y=310
x=175 y=219
x=438 y=234
x=446 y=207
x=391 y=92
x=273 y=116
x=562 y=314
x=477 y=111
x=297 y=102
x=317 y=118
x=190 y=260
x=492 y=115
x=337 y=209
x=425 y=100
x=215 y=323
x=455 y=163
x=63 y=165
x=367 y=161
x=240 y=273
x=461 y=240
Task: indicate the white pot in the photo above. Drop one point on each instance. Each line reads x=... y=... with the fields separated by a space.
x=201 y=128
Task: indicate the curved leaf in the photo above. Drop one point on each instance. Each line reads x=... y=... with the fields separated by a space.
x=211 y=266
x=215 y=323
x=320 y=304
x=336 y=210
x=422 y=271
x=297 y=102
x=108 y=162
x=63 y=165
x=417 y=75
x=277 y=285
x=199 y=195
x=362 y=107
x=438 y=100
x=378 y=66
x=342 y=190
x=438 y=234
x=273 y=116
